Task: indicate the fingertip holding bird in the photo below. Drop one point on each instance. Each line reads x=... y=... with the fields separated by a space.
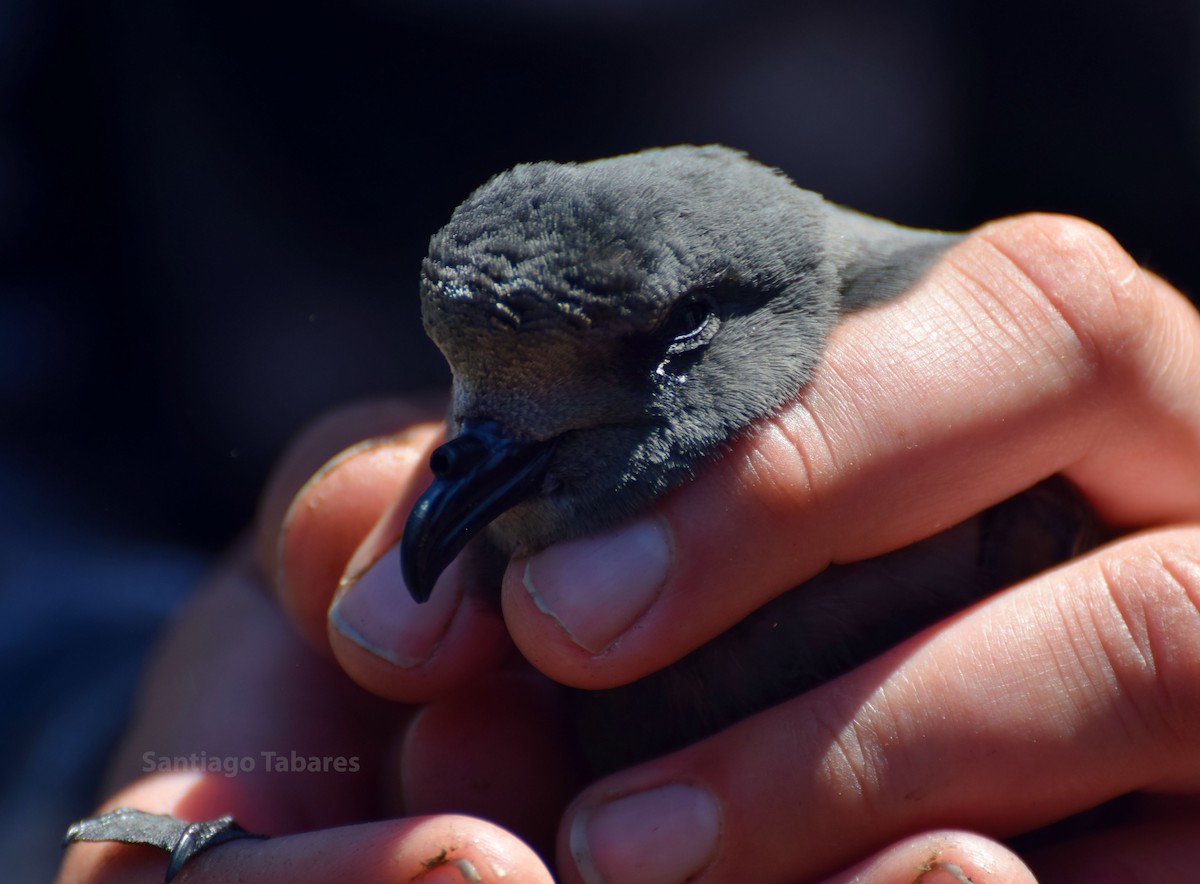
x=595 y=588
x=327 y=519
x=669 y=833
x=405 y=650
x=374 y=610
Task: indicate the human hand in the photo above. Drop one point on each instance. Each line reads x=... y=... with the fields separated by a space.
x=233 y=690
x=1036 y=347
x=851 y=803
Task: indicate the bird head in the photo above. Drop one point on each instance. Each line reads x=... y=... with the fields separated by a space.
x=609 y=325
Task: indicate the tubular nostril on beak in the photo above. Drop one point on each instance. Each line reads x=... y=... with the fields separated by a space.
x=459 y=456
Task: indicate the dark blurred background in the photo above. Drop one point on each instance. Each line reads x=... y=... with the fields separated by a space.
x=212 y=217
x=212 y=214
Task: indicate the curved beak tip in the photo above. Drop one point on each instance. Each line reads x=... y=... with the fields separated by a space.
x=415 y=581
x=420 y=575
x=478 y=475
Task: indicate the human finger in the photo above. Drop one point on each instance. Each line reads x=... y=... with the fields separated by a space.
x=381 y=637
x=328 y=528
x=438 y=848
x=314 y=512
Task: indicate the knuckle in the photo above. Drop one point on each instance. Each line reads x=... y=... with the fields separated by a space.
x=851 y=761
x=1088 y=294
x=779 y=460
x=867 y=761
x=1153 y=583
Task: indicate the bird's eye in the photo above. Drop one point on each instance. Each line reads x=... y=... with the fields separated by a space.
x=691 y=323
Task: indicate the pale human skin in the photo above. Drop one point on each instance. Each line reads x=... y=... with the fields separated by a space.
x=1036 y=346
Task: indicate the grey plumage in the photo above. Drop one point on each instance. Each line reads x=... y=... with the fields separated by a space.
x=641 y=310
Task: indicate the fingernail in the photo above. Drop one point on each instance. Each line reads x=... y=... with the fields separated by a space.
x=375 y=611
x=596 y=587
x=662 y=835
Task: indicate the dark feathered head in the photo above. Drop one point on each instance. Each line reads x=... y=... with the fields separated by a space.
x=612 y=323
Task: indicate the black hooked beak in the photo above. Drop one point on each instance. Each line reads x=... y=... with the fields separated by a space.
x=478 y=475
